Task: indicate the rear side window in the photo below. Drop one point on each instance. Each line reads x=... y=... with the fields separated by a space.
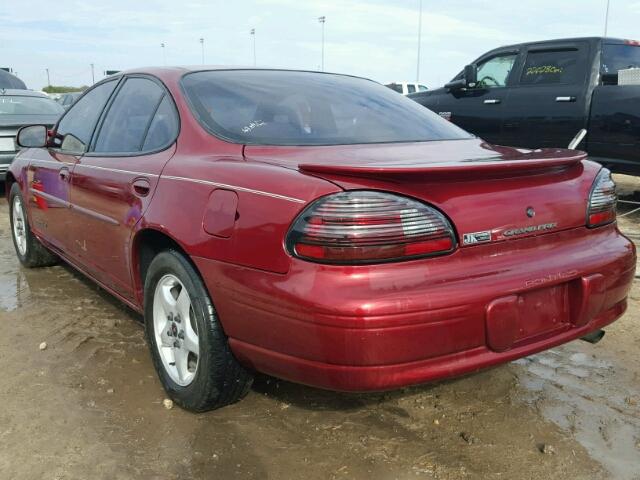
x=76 y=127
x=552 y=67
x=272 y=107
x=125 y=126
x=411 y=88
x=163 y=128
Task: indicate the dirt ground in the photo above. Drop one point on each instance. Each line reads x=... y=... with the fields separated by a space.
x=89 y=405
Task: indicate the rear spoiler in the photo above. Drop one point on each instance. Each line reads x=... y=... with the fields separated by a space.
x=470 y=168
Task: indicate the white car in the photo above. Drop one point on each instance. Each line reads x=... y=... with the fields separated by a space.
x=405 y=88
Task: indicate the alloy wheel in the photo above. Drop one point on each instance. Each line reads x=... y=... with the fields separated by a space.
x=175 y=328
x=19 y=226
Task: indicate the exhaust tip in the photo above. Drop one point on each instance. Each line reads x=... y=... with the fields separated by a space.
x=593 y=337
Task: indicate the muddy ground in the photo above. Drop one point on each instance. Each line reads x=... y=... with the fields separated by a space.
x=89 y=405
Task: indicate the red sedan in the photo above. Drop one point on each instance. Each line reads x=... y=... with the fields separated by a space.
x=316 y=227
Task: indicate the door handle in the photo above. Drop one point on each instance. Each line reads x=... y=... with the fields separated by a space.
x=492 y=101
x=565 y=99
x=141 y=187
x=64 y=174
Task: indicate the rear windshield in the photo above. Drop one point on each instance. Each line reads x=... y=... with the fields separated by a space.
x=19 y=105
x=270 y=107
x=619 y=57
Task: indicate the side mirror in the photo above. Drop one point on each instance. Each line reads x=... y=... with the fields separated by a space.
x=32 y=136
x=471 y=75
x=469 y=79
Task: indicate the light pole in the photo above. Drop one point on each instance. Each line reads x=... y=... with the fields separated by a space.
x=419 y=43
x=93 y=76
x=164 y=58
x=322 y=20
x=606 y=19
x=202 y=45
x=253 y=34
x=48 y=79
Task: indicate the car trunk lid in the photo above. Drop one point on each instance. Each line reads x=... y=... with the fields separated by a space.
x=490 y=193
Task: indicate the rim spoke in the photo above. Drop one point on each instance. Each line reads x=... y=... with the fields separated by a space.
x=183 y=305
x=168 y=353
x=167 y=341
x=166 y=297
x=191 y=342
x=181 y=359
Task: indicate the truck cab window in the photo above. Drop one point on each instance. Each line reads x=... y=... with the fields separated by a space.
x=620 y=57
x=495 y=71
x=551 y=67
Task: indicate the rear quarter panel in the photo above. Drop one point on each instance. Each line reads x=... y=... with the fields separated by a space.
x=269 y=198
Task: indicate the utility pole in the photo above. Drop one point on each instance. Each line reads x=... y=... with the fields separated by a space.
x=322 y=20
x=202 y=45
x=419 y=42
x=606 y=19
x=253 y=34
x=48 y=79
x=93 y=75
x=164 y=58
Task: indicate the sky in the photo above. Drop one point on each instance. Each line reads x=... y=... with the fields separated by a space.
x=371 y=38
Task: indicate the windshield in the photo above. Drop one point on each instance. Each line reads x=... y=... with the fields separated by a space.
x=270 y=107
x=619 y=57
x=22 y=105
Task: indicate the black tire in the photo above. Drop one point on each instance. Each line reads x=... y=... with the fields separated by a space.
x=36 y=254
x=219 y=379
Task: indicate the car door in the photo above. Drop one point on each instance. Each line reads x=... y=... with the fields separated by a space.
x=548 y=103
x=480 y=110
x=113 y=183
x=50 y=169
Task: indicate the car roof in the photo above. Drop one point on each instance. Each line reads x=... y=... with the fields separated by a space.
x=179 y=71
x=23 y=93
x=8 y=80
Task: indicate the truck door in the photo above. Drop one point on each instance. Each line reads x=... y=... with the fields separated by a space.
x=614 y=130
x=480 y=110
x=548 y=101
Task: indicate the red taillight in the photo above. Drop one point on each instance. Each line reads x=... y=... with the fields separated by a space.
x=369 y=227
x=602 y=200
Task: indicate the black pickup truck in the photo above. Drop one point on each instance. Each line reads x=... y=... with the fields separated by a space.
x=541 y=94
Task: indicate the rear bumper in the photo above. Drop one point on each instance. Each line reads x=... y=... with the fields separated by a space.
x=387 y=326
x=384 y=377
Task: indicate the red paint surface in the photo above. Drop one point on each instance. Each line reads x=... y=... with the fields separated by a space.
x=346 y=327
x=220 y=213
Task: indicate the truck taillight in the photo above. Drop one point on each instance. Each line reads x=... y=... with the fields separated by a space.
x=363 y=226
x=602 y=200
